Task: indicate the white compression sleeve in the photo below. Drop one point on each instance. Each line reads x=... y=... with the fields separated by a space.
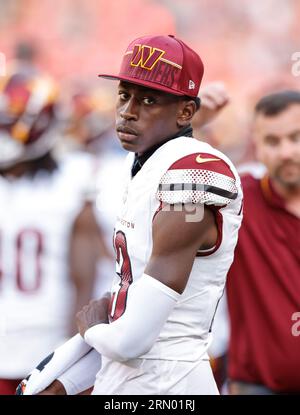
x=81 y=376
x=54 y=365
x=149 y=304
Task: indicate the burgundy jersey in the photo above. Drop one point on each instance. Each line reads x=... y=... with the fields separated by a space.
x=264 y=292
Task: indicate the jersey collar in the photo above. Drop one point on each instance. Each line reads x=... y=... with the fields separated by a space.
x=139 y=161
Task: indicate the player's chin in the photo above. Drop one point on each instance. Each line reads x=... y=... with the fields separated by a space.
x=129 y=146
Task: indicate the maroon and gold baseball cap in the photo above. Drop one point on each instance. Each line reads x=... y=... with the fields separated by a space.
x=162 y=62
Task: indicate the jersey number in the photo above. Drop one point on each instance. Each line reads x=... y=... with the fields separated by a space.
x=28 y=251
x=119 y=298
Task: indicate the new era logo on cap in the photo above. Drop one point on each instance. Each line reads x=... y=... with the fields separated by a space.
x=162 y=62
x=192 y=84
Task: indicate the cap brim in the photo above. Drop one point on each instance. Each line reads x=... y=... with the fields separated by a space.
x=145 y=83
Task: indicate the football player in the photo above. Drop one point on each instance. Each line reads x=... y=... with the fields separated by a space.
x=174 y=239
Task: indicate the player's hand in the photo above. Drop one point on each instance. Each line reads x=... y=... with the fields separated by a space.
x=95 y=312
x=214 y=97
x=56 y=388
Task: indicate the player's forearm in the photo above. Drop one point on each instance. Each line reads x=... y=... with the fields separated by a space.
x=149 y=304
x=53 y=366
x=81 y=376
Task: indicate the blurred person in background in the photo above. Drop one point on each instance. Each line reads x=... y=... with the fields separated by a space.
x=49 y=238
x=263 y=286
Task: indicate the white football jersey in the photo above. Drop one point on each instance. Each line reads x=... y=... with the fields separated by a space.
x=36 y=293
x=182 y=170
x=108 y=199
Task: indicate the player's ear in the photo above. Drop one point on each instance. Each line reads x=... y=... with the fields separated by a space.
x=186 y=111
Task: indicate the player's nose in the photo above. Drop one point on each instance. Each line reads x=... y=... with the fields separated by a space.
x=130 y=110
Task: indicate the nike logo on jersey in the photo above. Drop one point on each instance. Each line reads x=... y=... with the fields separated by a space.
x=199 y=159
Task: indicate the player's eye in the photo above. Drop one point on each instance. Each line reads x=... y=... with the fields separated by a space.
x=123 y=95
x=148 y=100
